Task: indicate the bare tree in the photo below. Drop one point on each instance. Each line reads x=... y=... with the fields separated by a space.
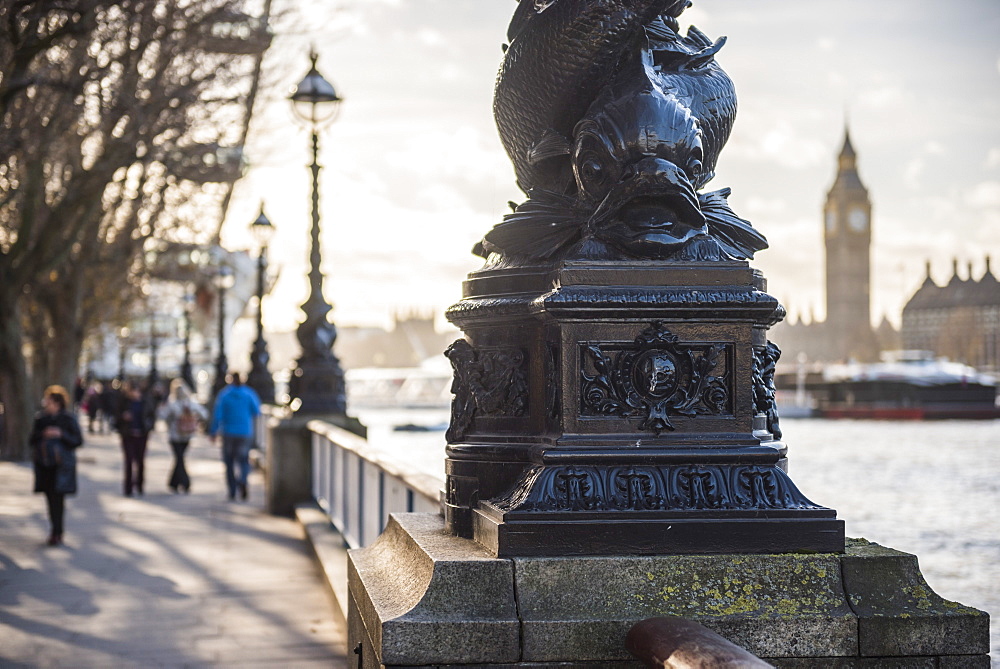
x=122 y=121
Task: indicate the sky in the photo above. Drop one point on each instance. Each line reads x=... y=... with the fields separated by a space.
x=414 y=174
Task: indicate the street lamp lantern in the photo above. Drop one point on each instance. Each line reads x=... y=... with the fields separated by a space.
x=259 y=377
x=317 y=382
x=315 y=100
x=223 y=281
x=262 y=229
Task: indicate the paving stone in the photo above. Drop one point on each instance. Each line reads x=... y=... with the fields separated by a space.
x=161 y=580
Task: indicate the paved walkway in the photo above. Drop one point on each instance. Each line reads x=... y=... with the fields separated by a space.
x=158 y=581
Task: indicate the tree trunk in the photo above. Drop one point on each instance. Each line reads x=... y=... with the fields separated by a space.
x=67 y=334
x=15 y=385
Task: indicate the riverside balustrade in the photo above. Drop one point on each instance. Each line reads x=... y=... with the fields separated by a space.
x=358 y=487
x=263 y=437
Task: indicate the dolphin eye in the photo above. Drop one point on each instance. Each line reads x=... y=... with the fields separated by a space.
x=694 y=166
x=596 y=169
x=591 y=170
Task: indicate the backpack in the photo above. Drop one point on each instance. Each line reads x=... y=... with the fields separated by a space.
x=187 y=422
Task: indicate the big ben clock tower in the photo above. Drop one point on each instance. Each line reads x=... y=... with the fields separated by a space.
x=848 y=239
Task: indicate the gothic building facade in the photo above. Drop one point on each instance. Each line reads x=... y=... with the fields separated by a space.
x=847 y=333
x=959 y=320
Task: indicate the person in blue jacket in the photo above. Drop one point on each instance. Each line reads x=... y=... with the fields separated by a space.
x=236 y=407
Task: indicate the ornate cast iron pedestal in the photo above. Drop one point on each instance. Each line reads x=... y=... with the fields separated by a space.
x=622 y=409
x=614 y=446
x=614 y=393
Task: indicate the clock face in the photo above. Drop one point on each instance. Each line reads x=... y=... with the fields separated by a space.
x=831 y=221
x=858 y=219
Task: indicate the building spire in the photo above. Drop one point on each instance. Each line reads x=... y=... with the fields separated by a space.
x=848 y=149
x=847 y=162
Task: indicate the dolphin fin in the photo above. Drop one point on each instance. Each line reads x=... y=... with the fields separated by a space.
x=737 y=236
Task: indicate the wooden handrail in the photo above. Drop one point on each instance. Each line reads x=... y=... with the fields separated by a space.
x=676 y=643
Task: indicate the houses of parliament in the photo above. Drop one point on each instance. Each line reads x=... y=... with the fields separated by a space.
x=959 y=320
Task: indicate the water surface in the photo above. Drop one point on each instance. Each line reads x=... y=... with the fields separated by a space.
x=927 y=488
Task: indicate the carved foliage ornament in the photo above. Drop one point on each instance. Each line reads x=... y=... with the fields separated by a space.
x=648 y=488
x=655 y=378
x=488 y=382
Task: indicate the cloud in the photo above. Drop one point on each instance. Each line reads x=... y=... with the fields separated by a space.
x=884 y=97
x=985 y=195
x=458 y=153
x=912 y=173
x=695 y=16
x=758 y=206
x=431 y=37
x=790 y=149
x=915 y=172
x=993 y=157
x=934 y=148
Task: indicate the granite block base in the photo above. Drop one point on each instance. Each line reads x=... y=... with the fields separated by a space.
x=422 y=597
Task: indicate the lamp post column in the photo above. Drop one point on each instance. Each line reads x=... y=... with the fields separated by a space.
x=154 y=374
x=317 y=382
x=122 y=337
x=259 y=377
x=221 y=364
x=186 y=372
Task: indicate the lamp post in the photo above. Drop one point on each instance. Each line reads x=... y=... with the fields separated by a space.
x=191 y=261
x=317 y=382
x=223 y=282
x=154 y=374
x=259 y=377
x=187 y=374
x=122 y=340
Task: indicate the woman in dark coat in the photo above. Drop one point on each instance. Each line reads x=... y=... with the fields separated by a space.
x=135 y=420
x=55 y=436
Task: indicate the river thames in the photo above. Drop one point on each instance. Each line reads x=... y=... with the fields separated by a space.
x=927 y=488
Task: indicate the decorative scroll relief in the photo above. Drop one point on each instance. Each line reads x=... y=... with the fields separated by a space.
x=552 y=382
x=665 y=488
x=764 y=362
x=654 y=378
x=488 y=382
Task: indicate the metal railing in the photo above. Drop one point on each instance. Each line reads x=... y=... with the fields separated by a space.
x=358 y=488
x=262 y=433
x=671 y=642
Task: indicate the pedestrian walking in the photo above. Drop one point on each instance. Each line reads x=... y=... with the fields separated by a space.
x=236 y=406
x=79 y=389
x=108 y=403
x=134 y=420
x=92 y=405
x=55 y=436
x=183 y=416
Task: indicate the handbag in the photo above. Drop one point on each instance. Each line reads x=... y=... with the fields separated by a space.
x=66 y=472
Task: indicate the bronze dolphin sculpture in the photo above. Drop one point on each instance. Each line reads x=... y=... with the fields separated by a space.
x=614 y=122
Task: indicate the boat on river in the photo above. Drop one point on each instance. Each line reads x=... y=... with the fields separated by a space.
x=908 y=385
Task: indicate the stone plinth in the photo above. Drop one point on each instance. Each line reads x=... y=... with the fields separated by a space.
x=289 y=459
x=420 y=596
x=622 y=408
